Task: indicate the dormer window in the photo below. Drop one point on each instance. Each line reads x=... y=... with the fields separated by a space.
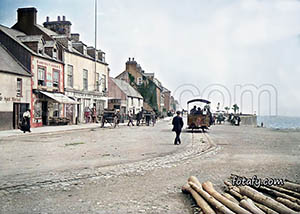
x=54 y=53
x=69 y=45
x=84 y=50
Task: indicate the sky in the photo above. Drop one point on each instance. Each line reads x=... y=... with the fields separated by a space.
x=215 y=49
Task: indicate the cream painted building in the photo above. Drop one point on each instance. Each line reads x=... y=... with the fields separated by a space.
x=86 y=81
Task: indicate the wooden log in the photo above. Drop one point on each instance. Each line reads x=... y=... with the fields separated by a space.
x=288 y=203
x=267 y=210
x=208 y=187
x=230 y=197
x=286 y=191
x=279 y=194
x=199 y=200
x=265 y=200
x=249 y=205
x=211 y=200
x=291 y=186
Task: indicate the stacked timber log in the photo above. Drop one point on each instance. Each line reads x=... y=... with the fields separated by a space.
x=244 y=199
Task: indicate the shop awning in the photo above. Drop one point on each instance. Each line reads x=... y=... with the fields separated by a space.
x=60 y=98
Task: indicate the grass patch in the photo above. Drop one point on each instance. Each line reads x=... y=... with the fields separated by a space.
x=73 y=144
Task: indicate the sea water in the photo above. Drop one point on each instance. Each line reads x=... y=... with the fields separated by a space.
x=279 y=122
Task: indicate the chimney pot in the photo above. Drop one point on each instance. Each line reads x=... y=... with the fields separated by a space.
x=58 y=18
x=129 y=59
x=133 y=59
x=64 y=18
x=47 y=19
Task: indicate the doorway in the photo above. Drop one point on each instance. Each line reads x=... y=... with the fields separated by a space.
x=18 y=111
x=45 y=113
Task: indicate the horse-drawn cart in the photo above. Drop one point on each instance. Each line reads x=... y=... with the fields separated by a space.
x=109 y=116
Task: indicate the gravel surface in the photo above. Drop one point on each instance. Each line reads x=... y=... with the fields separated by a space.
x=47 y=173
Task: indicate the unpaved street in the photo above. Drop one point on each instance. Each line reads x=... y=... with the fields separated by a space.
x=136 y=169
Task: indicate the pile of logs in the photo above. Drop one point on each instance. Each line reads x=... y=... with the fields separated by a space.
x=244 y=199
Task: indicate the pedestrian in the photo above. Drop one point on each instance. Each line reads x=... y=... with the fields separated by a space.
x=94 y=114
x=138 y=118
x=117 y=118
x=177 y=126
x=153 y=118
x=130 y=118
x=25 y=125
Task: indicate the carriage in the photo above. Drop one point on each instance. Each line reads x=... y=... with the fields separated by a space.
x=200 y=119
x=108 y=116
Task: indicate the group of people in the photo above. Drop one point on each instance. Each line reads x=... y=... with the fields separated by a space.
x=234 y=119
x=90 y=115
x=199 y=111
x=140 y=116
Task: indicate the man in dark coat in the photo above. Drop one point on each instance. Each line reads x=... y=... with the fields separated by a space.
x=177 y=126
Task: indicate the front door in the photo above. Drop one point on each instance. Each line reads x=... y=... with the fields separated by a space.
x=45 y=113
x=18 y=111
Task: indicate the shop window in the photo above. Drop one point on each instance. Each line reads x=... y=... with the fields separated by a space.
x=19 y=87
x=56 y=109
x=41 y=76
x=56 y=78
x=38 y=109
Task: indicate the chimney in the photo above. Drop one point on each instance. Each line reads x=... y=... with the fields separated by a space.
x=27 y=16
x=58 y=18
x=64 y=18
x=133 y=59
x=47 y=19
x=129 y=59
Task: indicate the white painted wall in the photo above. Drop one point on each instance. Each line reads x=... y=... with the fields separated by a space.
x=8 y=91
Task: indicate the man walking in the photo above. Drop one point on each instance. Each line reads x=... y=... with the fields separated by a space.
x=177 y=126
x=130 y=119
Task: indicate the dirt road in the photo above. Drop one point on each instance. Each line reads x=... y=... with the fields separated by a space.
x=136 y=169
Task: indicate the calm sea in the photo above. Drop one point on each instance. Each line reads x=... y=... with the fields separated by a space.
x=279 y=122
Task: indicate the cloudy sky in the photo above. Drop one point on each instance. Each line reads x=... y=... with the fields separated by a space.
x=215 y=49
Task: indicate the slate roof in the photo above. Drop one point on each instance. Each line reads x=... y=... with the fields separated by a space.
x=126 y=88
x=9 y=64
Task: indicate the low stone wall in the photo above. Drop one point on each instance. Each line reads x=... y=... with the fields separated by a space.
x=248 y=120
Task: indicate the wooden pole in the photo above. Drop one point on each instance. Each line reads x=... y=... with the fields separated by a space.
x=248 y=204
x=265 y=200
x=211 y=200
x=208 y=187
x=199 y=200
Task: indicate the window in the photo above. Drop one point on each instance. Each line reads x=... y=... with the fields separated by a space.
x=132 y=101
x=139 y=80
x=19 y=87
x=104 y=83
x=97 y=82
x=85 y=79
x=56 y=109
x=70 y=76
x=139 y=102
x=56 y=78
x=41 y=76
x=54 y=53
